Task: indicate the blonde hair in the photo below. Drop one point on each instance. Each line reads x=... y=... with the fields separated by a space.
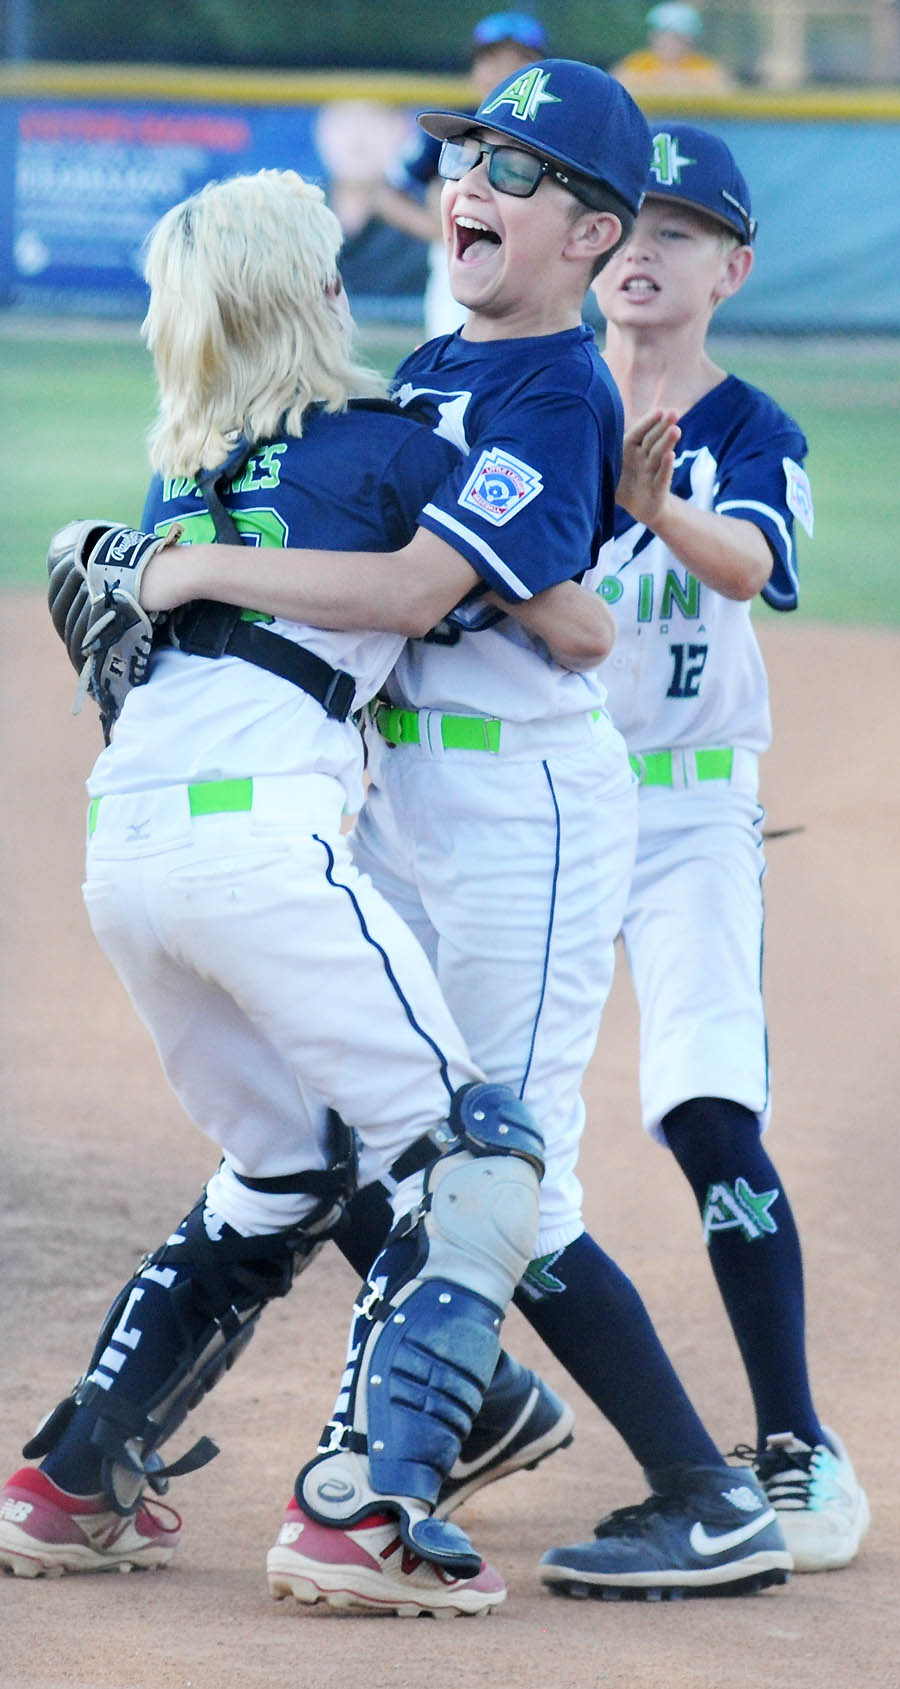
x=242 y=321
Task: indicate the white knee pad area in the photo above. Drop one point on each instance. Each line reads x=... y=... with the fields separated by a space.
x=254 y=1213
x=481 y=1223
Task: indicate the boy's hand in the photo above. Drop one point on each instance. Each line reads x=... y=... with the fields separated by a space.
x=648 y=460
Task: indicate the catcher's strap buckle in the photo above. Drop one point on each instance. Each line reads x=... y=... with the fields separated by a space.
x=366 y=1305
x=339 y=695
x=338 y=1438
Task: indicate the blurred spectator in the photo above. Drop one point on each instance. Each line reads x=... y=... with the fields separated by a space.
x=356 y=140
x=500 y=44
x=671 y=63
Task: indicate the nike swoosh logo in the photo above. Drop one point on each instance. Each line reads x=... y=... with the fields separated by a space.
x=462 y=1468
x=701 y=1543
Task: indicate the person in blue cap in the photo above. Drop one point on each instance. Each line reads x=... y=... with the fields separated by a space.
x=501 y=44
x=712 y=487
x=500 y=815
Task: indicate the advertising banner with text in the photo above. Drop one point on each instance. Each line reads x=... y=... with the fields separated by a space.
x=82 y=182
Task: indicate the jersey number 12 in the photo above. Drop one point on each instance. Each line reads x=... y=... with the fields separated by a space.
x=688 y=661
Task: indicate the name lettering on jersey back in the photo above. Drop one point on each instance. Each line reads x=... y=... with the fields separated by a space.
x=259 y=472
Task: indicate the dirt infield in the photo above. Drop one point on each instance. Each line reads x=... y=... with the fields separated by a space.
x=97 y=1163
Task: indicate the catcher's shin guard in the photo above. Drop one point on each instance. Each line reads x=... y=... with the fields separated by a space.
x=425 y=1336
x=213 y=1284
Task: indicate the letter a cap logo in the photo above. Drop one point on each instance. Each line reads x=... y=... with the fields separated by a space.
x=524 y=96
x=667 y=163
x=696 y=168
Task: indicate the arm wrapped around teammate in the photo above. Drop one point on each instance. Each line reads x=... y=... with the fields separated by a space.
x=94 y=570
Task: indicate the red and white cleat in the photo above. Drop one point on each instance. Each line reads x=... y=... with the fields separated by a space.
x=368 y=1567
x=45 y=1532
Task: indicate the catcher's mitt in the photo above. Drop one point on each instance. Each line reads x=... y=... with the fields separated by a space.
x=95 y=569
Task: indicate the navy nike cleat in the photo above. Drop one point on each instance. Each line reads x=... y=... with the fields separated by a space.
x=705 y=1530
x=521 y=1422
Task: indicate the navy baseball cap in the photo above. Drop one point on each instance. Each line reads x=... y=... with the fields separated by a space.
x=510 y=26
x=568 y=112
x=696 y=168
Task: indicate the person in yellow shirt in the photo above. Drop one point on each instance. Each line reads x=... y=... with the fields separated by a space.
x=671 y=62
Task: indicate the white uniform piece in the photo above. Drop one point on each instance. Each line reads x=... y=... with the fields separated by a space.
x=414 y=173
x=512 y=867
x=687 y=686
x=501 y=817
x=273 y=978
x=442 y=313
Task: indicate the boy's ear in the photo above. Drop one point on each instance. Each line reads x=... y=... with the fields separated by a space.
x=735 y=271
x=593 y=234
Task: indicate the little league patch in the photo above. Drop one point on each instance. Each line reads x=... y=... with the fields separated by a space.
x=499 y=486
x=799 y=493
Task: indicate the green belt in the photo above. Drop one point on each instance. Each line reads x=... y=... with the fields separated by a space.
x=205 y=797
x=656 y=767
x=458 y=732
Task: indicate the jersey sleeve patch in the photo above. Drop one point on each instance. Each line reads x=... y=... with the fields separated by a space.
x=799 y=493
x=499 y=487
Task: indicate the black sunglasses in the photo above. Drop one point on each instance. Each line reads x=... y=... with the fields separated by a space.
x=509 y=169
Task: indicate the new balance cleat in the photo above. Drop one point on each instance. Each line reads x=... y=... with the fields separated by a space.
x=45 y=1532
x=821 y=1506
x=705 y=1530
x=521 y=1422
x=368 y=1568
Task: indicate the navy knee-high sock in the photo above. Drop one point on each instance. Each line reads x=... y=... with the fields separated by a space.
x=592 y=1319
x=754 y=1251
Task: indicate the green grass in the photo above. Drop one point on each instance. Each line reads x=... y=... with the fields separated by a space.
x=846 y=397
x=76 y=404
x=79 y=411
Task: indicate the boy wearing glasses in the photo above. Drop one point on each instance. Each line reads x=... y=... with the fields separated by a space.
x=500 y=820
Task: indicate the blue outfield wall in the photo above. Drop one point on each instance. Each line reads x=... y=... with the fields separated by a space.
x=828 y=243
x=84 y=175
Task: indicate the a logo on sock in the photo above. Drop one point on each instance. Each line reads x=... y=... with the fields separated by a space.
x=730 y=1206
x=538 y=1281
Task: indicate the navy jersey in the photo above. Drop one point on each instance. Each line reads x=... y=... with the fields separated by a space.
x=352 y=482
x=539 y=422
x=686 y=668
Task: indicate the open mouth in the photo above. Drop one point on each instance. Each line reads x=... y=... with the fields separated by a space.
x=472 y=239
x=639 y=287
